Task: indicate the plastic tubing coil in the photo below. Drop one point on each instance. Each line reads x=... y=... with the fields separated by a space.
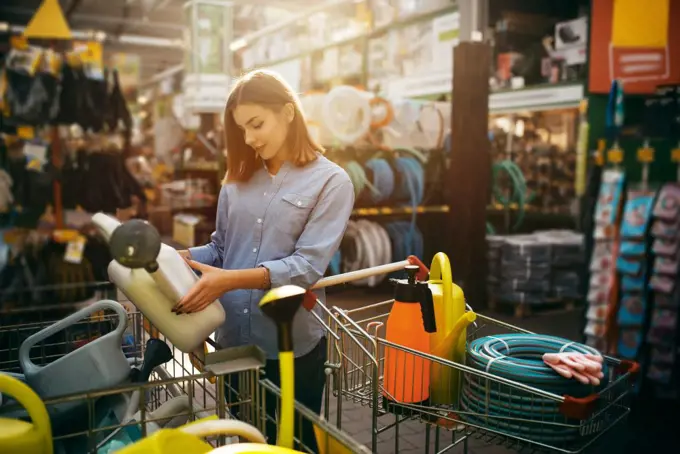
x=337 y=118
x=383 y=180
x=518 y=357
x=518 y=188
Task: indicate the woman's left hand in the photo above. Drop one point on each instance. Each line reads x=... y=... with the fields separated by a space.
x=214 y=282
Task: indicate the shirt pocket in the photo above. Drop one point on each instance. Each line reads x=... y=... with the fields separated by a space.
x=291 y=213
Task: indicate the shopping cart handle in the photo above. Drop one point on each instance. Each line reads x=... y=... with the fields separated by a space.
x=310 y=301
x=632 y=368
x=579 y=408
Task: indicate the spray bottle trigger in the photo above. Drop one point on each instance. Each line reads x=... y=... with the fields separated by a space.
x=427 y=308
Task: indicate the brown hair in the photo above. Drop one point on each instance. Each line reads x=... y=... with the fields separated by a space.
x=266 y=89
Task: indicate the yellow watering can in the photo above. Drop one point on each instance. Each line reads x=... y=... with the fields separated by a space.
x=449 y=340
x=21 y=437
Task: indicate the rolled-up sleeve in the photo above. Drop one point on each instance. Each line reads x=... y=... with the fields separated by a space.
x=319 y=240
x=212 y=254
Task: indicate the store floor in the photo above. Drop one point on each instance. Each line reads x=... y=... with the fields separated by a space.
x=356 y=419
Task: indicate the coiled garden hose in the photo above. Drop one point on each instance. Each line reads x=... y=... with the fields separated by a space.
x=367 y=244
x=346 y=112
x=518 y=192
x=405 y=238
x=516 y=412
x=383 y=180
x=357 y=174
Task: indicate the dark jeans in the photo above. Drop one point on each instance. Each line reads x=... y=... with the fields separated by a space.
x=310 y=381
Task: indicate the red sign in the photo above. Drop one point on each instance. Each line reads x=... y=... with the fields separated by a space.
x=640 y=69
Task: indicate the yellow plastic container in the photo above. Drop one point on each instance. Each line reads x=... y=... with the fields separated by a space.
x=168 y=441
x=21 y=437
x=448 y=342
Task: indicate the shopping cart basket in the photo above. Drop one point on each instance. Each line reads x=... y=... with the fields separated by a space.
x=181 y=391
x=510 y=412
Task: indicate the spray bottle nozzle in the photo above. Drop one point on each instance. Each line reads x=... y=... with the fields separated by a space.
x=412 y=271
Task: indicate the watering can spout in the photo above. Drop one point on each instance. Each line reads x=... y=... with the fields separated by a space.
x=445 y=379
x=454 y=336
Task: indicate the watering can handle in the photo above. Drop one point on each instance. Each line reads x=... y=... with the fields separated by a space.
x=441 y=270
x=24 y=357
x=34 y=407
x=228 y=427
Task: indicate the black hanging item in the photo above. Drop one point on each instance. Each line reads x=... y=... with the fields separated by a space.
x=28 y=97
x=73 y=174
x=117 y=111
x=97 y=93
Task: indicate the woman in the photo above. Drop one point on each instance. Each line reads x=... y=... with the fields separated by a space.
x=282 y=211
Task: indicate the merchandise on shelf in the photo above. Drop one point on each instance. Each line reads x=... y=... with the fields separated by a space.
x=535 y=268
x=535 y=161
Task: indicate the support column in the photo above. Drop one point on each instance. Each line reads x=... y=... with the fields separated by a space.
x=474 y=16
x=470 y=157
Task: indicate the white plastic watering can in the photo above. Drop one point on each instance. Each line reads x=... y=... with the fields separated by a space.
x=98 y=364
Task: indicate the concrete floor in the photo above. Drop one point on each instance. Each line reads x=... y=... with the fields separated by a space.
x=412 y=436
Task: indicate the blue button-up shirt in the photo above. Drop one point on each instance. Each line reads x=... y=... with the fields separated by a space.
x=292 y=224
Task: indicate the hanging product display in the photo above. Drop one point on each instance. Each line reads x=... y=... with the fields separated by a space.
x=36 y=273
x=41 y=88
x=631 y=265
x=602 y=289
x=663 y=335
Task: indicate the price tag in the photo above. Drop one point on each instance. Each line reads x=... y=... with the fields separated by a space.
x=675 y=156
x=74 y=250
x=26 y=132
x=615 y=156
x=645 y=155
x=18 y=42
x=13 y=236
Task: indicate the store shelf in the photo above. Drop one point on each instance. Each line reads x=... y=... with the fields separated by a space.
x=387 y=211
x=537 y=98
x=204 y=165
x=525 y=99
x=412 y=19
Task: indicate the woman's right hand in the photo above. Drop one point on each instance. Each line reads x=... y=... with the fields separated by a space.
x=185 y=254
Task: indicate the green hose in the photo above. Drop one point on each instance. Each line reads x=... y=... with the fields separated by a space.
x=358 y=176
x=518 y=188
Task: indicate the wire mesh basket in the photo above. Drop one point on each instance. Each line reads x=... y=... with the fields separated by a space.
x=516 y=412
x=226 y=384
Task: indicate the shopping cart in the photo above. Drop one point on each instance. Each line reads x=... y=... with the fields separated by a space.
x=185 y=389
x=499 y=410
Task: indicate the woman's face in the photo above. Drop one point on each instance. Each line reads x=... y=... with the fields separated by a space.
x=264 y=130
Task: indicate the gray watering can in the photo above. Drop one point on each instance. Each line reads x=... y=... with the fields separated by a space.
x=96 y=365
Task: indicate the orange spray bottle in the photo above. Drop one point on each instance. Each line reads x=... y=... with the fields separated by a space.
x=406 y=376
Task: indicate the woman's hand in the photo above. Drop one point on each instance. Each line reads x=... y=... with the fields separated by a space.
x=214 y=282
x=185 y=254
